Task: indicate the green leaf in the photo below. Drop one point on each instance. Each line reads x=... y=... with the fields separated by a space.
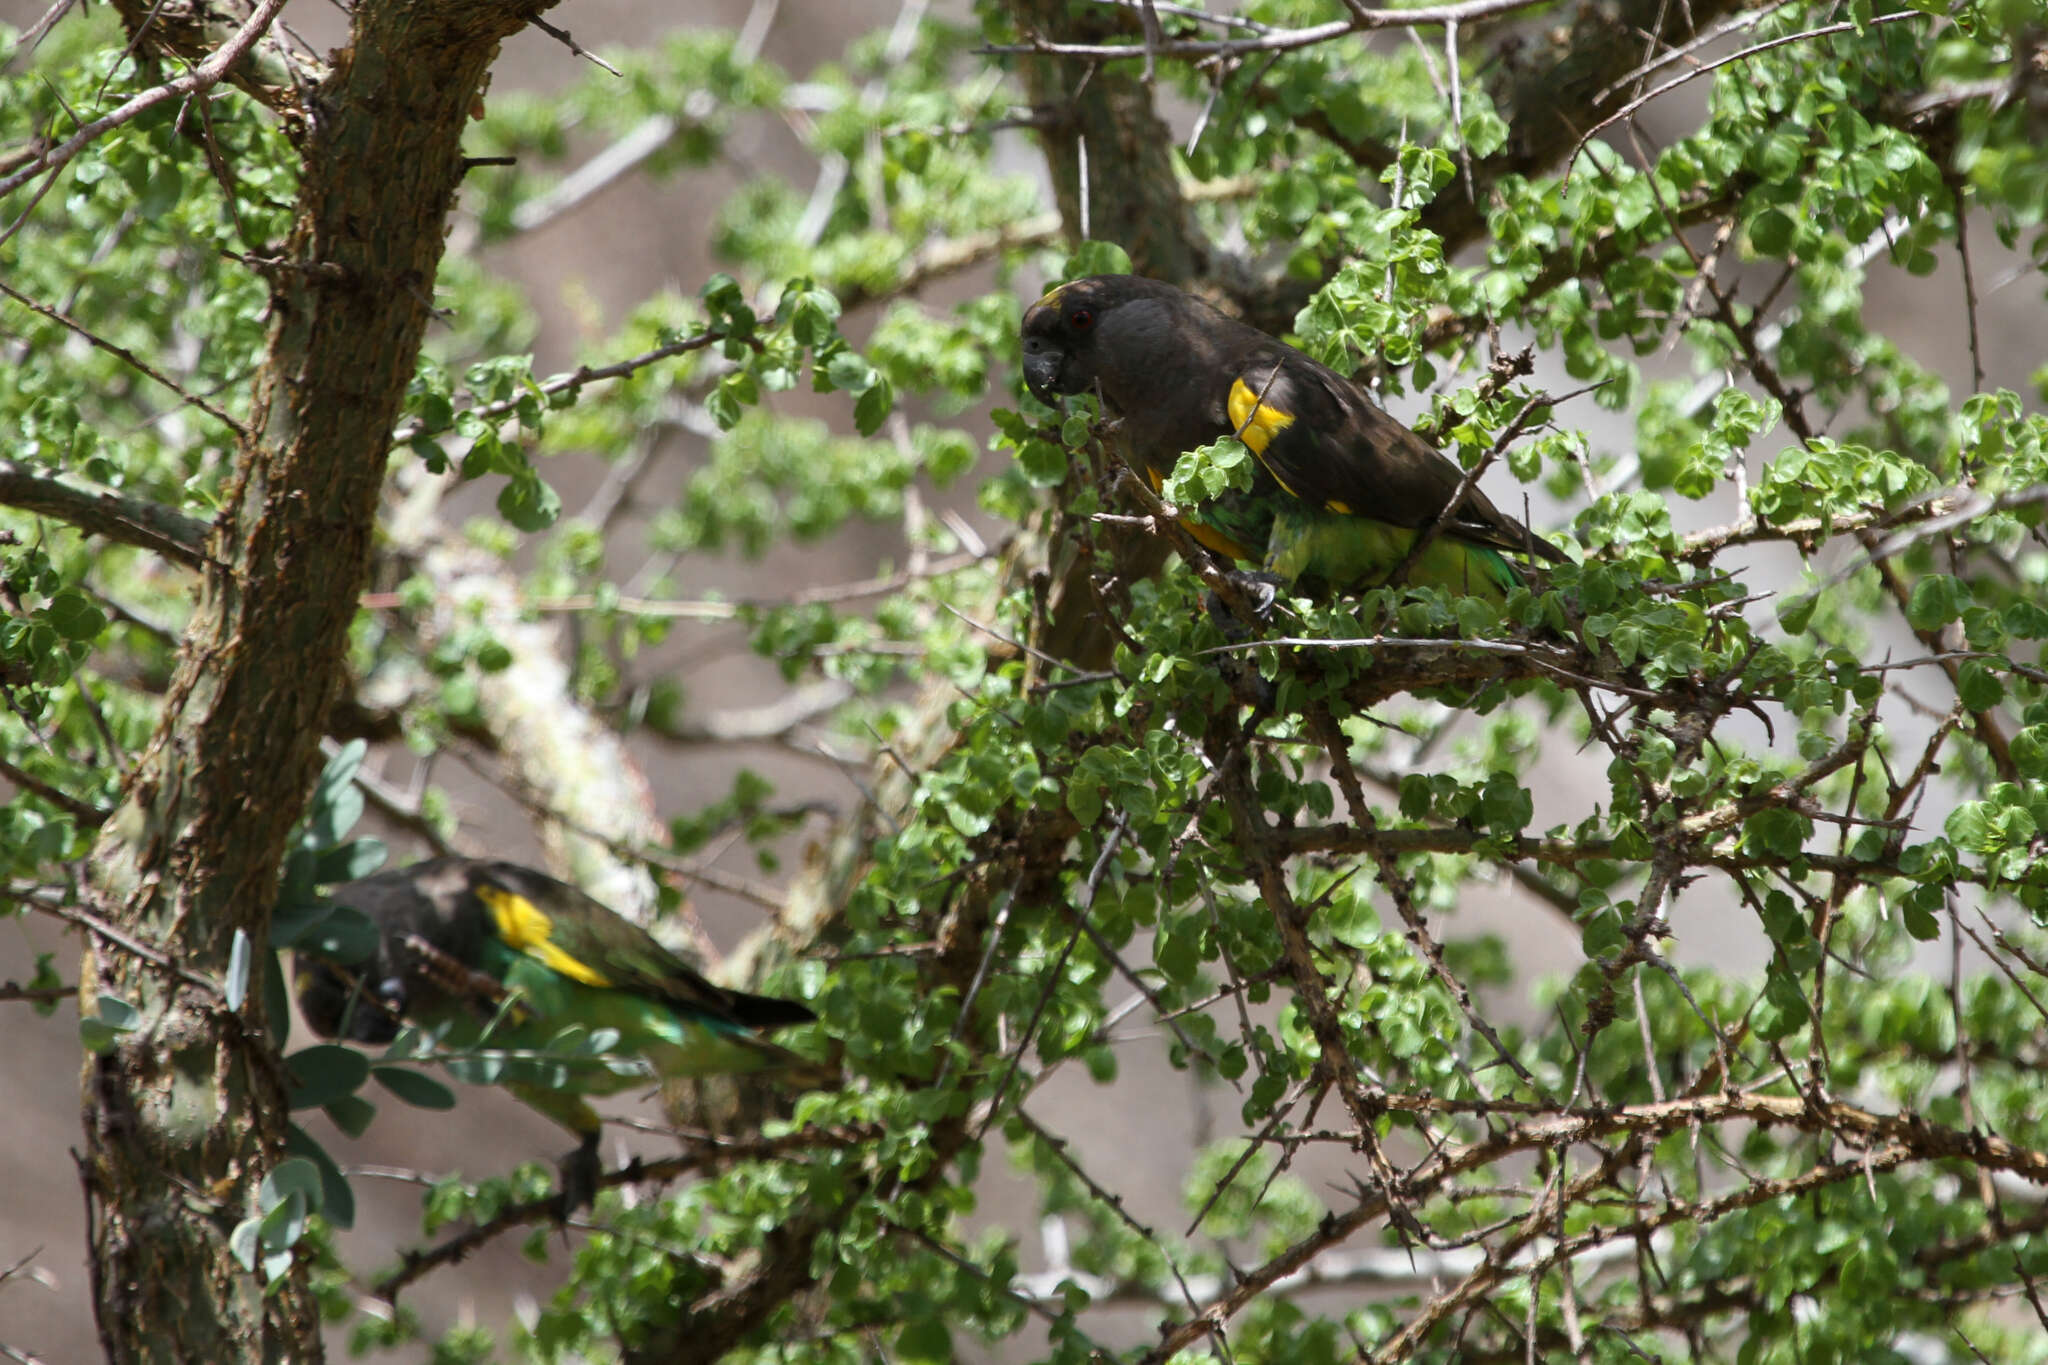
x=236 y=987
x=814 y=316
x=1044 y=463
x=111 y=1018
x=1770 y=232
x=290 y=1193
x=245 y=1242
x=1920 y=920
x=1795 y=614
x=1935 y=601
x=422 y=1092
x=1978 y=686
x=277 y=1005
x=1096 y=258
x=165 y=187
x=338 y=933
x=723 y=296
x=336 y=804
x=74 y=616
x=723 y=405
x=337 y=1201
x=528 y=503
x=45 y=979
x=1602 y=935
x=324 y=1073
x=293 y=1176
x=1484 y=132
x=924 y=1341
x=874 y=406
x=848 y=370
x=346 y=862
x=351 y=1113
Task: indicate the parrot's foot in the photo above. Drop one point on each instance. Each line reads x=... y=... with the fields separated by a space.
x=580 y=1170
x=1259 y=590
x=1249 y=686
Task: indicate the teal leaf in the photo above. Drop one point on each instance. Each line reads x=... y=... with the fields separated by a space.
x=422 y=1092
x=324 y=1073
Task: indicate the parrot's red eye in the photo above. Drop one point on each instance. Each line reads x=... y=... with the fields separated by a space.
x=1081 y=319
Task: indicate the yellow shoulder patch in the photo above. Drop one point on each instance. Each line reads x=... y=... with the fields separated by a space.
x=1256 y=423
x=526 y=928
x=1213 y=539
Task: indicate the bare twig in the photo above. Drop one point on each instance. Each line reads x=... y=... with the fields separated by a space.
x=125 y=356
x=561 y=35
x=1362 y=20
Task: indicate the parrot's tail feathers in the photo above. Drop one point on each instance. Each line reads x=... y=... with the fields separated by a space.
x=767 y=1012
x=1531 y=543
x=1504 y=575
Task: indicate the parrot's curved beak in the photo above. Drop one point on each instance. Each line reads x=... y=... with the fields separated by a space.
x=1043 y=362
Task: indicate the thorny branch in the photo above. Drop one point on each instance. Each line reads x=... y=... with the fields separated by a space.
x=1702 y=832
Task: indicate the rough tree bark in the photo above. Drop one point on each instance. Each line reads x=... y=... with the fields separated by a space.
x=185 y=1114
x=1111 y=158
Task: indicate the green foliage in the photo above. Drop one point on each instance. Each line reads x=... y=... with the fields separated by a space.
x=1258 y=864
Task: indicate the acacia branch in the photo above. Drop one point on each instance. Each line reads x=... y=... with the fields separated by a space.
x=1911 y=1137
x=1922 y=519
x=36 y=995
x=200 y=79
x=1569 y=852
x=1707 y=68
x=1362 y=20
x=123 y=354
x=706 y=1150
x=573 y=382
x=1986 y=724
x=103 y=512
x=1493 y=1272
x=85 y=813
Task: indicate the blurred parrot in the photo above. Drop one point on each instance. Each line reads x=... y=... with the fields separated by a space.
x=1340 y=489
x=490 y=958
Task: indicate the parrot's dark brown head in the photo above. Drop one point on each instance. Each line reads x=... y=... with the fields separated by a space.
x=1079 y=335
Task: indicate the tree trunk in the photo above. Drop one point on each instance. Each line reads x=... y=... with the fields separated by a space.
x=185 y=1114
x=1111 y=158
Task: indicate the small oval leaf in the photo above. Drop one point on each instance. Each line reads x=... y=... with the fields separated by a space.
x=324 y=1073
x=337 y=1200
x=422 y=1092
x=237 y=989
x=293 y=1175
x=351 y=1114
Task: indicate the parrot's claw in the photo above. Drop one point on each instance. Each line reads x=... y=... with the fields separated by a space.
x=1260 y=591
x=1250 y=687
x=580 y=1171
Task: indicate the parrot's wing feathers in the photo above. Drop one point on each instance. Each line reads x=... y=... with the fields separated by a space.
x=637 y=962
x=1331 y=446
x=567 y=931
